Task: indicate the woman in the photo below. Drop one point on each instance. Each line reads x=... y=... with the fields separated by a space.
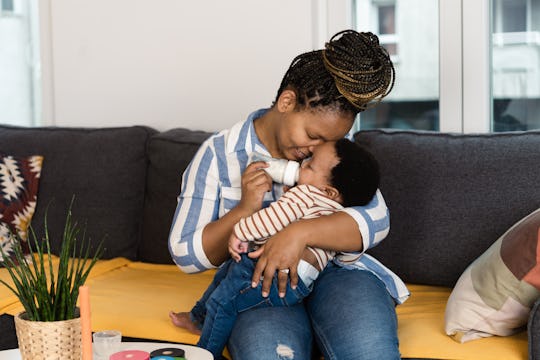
x=351 y=309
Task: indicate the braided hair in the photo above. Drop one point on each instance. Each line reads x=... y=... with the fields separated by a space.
x=351 y=74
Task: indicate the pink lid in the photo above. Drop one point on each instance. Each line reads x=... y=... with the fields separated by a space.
x=130 y=355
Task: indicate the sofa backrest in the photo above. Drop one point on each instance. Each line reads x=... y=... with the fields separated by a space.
x=451 y=196
x=105 y=169
x=169 y=154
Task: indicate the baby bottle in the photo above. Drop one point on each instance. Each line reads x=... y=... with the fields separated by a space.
x=282 y=171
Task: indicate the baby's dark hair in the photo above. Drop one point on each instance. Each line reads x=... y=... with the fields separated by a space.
x=357 y=175
x=351 y=74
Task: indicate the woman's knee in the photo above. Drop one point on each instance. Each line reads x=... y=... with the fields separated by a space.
x=272 y=334
x=353 y=316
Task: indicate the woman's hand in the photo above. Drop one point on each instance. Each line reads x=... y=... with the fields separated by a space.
x=282 y=253
x=255 y=182
x=285 y=249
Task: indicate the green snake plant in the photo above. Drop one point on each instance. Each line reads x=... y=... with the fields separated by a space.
x=46 y=295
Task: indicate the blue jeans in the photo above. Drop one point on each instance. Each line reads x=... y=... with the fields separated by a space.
x=231 y=295
x=198 y=313
x=349 y=312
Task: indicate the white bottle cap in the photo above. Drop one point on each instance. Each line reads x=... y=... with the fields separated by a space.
x=290 y=176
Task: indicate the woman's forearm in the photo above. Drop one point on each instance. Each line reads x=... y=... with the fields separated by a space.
x=337 y=232
x=216 y=235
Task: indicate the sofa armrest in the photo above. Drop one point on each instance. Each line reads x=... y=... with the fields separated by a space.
x=533 y=329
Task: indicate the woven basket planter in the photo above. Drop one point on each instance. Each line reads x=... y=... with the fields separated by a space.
x=49 y=340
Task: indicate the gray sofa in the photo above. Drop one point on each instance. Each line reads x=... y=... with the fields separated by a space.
x=450 y=196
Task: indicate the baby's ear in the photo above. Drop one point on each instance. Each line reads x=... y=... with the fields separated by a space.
x=332 y=193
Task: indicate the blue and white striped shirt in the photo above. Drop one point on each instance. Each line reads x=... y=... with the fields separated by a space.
x=211 y=186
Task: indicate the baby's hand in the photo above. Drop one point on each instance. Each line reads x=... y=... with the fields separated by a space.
x=237 y=247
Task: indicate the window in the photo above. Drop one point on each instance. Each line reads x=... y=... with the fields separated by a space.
x=463 y=66
x=19 y=63
x=510 y=15
x=386 y=18
x=7 y=6
x=409 y=31
x=515 y=62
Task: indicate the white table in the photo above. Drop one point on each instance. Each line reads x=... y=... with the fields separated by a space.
x=192 y=352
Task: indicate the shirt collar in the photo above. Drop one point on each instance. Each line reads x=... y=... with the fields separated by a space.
x=243 y=136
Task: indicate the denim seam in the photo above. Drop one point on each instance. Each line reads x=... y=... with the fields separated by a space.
x=323 y=343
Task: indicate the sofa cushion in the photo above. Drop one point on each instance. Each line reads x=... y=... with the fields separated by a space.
x=152 y=290
x=19 y=182
x=105 y=169
x=9 y=303
x=421 y=331
x=450 y=196
x=496 y=292
x=169 y=154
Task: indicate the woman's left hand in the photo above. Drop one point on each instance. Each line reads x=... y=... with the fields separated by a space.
x=282 y=253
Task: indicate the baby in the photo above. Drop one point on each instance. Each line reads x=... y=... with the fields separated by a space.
x=338 y=174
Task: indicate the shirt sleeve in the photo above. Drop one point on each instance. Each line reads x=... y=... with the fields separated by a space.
x=198 y=205
x=291 y=206
x=373 y=222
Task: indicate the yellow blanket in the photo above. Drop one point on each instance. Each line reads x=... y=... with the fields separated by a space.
x=135 y=298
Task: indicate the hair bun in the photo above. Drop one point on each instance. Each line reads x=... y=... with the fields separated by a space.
x=360 y=66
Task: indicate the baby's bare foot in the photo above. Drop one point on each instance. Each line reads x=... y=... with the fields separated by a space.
x=183 y=320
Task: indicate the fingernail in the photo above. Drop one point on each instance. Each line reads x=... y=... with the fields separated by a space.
x=265 y=294
x=293 y=287
x=254 y=284
x=281 y=295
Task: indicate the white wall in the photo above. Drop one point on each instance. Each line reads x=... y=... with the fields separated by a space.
x=199 y=64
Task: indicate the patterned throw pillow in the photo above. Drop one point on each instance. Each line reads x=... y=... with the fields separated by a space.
x=494 y=295
x=19 y=181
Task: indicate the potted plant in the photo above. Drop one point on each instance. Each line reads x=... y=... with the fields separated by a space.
x=49 y=327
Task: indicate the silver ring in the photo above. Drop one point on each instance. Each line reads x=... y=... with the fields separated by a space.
x=286 y=271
